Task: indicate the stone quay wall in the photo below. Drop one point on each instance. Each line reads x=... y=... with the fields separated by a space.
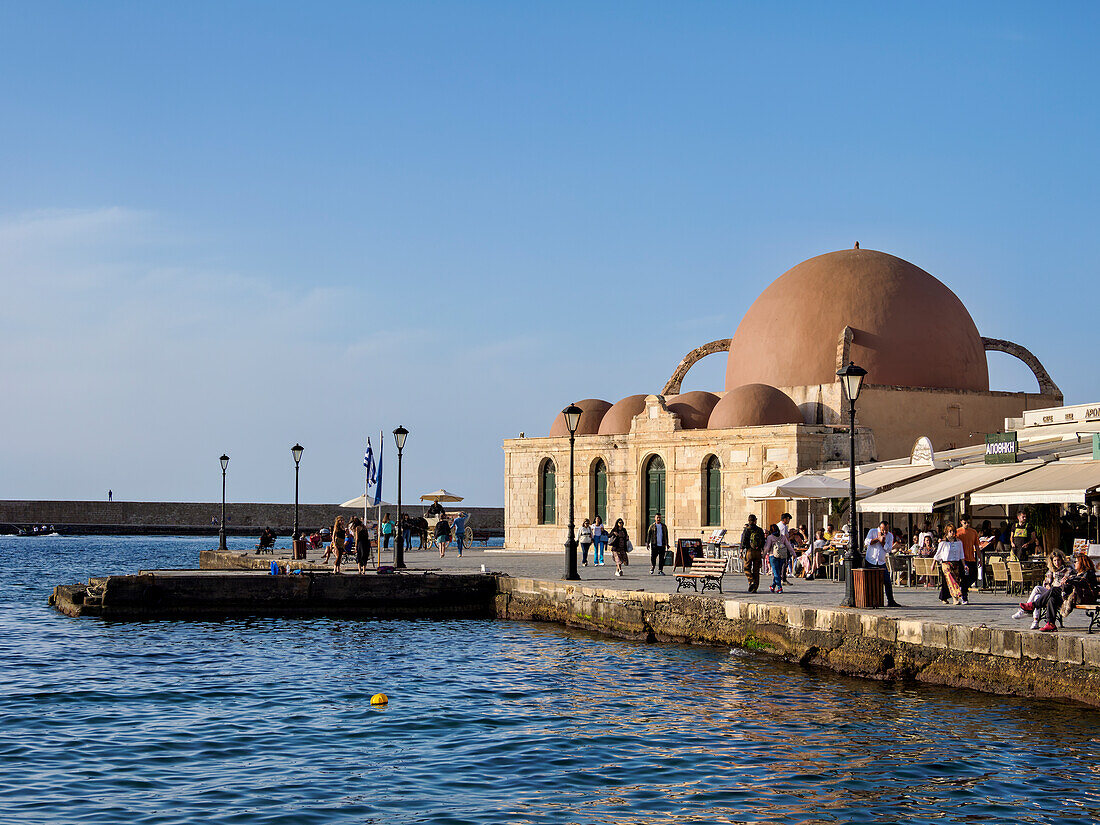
x=1010 y=662
x=185 y=517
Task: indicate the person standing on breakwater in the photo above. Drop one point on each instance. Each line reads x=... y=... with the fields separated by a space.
x=110 y=495
x=950 y=554
x=778 y=549
x=585 y=540
x=619 y=542
x=599 y=542
x=878 y=545
x=657 y=541
x=460 y=531
x=387 y=530
x=752 y=551
x=361 y=536
x=339 y=536
x=406 y=532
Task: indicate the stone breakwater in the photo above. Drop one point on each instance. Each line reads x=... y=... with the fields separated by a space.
x=851 y=642
x=196 y=518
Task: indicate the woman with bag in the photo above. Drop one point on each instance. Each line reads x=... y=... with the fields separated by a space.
x=619 y=542
x=950 y=555
x=585 y=542
x=599 y=541
x=778 y=549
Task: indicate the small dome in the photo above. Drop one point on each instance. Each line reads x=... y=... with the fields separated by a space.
x=694 y=408
x=593 y=413
x=910 y=330
x=754 y=405
x=618 y=419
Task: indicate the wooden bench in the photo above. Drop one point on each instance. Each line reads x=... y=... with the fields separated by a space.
x=710 y=571
x=1093 y=612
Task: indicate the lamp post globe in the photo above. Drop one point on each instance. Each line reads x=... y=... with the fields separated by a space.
x=296 y=451
x=221 y=527
x=572 y=415
x=851 y=377
x=399 y=436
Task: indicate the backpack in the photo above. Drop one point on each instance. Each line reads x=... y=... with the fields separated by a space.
x=756 y=539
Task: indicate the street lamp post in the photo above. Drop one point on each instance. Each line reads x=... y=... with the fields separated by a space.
x=399 y=436
x=221 y=527
x=572 y=415
x=851 y=377
x=296 y=451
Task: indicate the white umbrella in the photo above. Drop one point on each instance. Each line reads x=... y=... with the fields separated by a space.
x=361 y=502
x=808 y=484
x=440 y=495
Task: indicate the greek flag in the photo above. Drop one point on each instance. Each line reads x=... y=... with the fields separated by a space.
x=378 y=472
x=368 y=463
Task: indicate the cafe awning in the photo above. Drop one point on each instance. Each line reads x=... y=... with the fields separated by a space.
x=1060 y=482
x=924 y=495
x=878 y=477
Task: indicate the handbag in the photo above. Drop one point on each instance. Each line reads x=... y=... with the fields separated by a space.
x=629 y=545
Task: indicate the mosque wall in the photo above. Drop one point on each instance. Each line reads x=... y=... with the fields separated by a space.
x=747 y=456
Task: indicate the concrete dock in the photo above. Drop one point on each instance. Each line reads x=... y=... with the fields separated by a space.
x=977 y=646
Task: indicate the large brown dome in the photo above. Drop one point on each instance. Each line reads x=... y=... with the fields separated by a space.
x=592 y=413
x=618 y=419
x=693 y=408
x=754 y=405
x=909 y=329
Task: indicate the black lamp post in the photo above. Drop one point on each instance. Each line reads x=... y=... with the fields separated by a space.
x=851 y=377
x=296 y=451
x=221 y=527
x=572 y=415
x=399 y=436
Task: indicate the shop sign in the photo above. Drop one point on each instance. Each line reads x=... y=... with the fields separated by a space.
x=1096 y=446
x=1001 y=448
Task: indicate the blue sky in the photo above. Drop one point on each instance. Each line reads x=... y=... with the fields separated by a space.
x=233 y=226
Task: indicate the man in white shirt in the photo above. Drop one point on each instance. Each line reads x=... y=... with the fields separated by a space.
x=878 y=544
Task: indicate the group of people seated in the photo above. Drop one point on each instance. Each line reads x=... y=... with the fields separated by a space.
x=1061 y=590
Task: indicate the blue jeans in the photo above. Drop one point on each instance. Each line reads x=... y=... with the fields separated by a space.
x=778 y=565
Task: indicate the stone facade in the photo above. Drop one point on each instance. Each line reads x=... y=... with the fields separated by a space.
x=747 y=456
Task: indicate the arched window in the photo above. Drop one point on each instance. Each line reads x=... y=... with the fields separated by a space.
x=654 y=488
x=599 y=490
x=712 y=492
x=548 y=493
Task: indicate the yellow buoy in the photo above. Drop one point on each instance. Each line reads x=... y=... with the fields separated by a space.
x=379 y=699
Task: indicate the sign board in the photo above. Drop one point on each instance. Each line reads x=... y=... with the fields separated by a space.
x=1080 y=545
x=1062 y=415
x=1096 y=446
x=1001 y=448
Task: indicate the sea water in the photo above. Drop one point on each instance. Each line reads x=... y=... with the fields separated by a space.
x=264 y=720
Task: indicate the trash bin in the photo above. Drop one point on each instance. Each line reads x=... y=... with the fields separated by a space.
x=299 y=551
x=870 y=586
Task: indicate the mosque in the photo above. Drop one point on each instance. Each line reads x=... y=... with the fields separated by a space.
x=690 y=455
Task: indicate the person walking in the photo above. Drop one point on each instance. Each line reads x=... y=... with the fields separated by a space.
x=585 y=539
x=361 y=536
x=619 y=542
x=657 y=541
x=460 y=531
x=949 y=554
x=969 y=538
x=599 y=542
x=877 y=546
x=443 y=534
x=406 y=533
x=339 y=536
x=752 y=552
x=778 y=549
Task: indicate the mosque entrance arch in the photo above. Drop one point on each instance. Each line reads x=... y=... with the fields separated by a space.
x=774 y=507
x=653 y=489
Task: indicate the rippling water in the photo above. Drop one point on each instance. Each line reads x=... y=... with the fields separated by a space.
x=268 y=721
